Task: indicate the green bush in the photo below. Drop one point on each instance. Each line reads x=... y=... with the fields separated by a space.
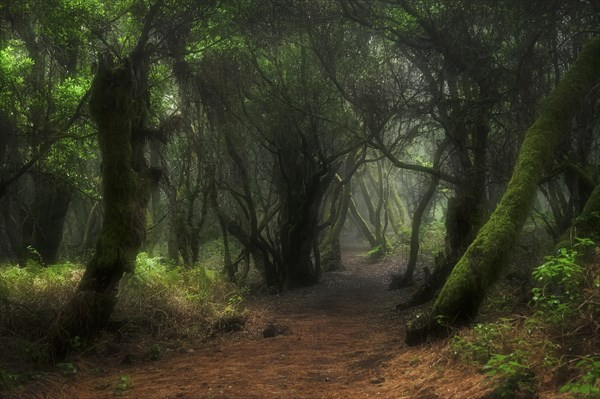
x=158 y=297
x=481 y=342
x=162 y=299
x=559 y=284
x=587 y=385
x=556 y=338
x=31 y=296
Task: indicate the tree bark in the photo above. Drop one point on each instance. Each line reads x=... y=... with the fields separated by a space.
x=118 y=106
x=299 y=217
x=47 y=216
x=407 y=278
x=396 y=211
x=228 y=267
x=362 y=224
x=478 y=268
x=331 y=255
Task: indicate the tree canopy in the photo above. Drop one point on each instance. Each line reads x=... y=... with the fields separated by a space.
x=279 y=126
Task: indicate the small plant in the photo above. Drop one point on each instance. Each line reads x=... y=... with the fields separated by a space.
x=34 y=256
x=559 y=282
x=8 y=379
x=155 y=352
x=124 y=384
x=67 y=369
x=235 y=299
x=482 y=343
x=376 y=253
x=588 y=385
x=510 y=375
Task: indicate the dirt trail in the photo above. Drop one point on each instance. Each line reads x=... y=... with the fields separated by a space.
x=341 y=339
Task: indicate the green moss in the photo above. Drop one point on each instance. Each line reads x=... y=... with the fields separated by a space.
x=463 y=292
x=117 y=106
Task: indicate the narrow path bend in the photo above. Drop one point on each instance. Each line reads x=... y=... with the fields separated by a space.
x=341 y=339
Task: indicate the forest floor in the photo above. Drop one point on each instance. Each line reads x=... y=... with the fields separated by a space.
x=340 y=339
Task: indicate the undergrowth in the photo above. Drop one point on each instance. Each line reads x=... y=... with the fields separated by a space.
x=174 y=301
x=556 y=343
x=160 y=300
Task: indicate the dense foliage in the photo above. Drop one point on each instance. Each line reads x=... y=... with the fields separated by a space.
x=280 y=129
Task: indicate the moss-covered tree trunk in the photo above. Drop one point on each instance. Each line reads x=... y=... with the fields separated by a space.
x=118 y=106
x=459 y=300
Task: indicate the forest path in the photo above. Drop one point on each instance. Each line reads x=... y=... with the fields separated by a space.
x=341 y=339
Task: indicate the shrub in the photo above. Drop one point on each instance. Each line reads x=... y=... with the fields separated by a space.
x=559 y=282
x=557 y=337
x=587 y=385
x=157 y=298
x=31 y=296
x=162 y=299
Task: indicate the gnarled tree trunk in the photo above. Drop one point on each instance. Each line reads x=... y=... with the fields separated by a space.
x=298 y=228
x=118 y=106
x=459 y=300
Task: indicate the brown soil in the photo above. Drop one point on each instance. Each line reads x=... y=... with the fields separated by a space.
x=340 y=339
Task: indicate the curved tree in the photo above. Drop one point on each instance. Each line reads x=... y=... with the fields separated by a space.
x=478 y=268
x=119 y=107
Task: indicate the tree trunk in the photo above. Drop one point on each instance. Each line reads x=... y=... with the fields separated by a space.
x=47 y=216
x=396 y=211
x=228 y=268
x=478 y=268
x=407 y=278
x=331 y=255
x=374 y=210
x=118 y=106
x=154 y=237
x=299 y=219
x=362 y=224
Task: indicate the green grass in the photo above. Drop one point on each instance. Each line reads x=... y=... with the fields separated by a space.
x=163 y=299
x=158 y=296
x=159 y=301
